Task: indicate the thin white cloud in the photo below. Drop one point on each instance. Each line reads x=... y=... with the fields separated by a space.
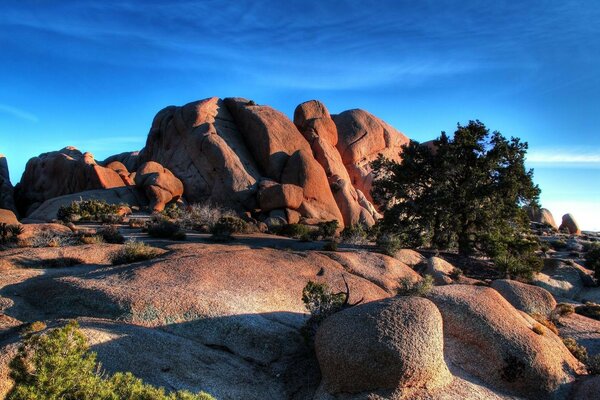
x=18 y=113
x=562 y=157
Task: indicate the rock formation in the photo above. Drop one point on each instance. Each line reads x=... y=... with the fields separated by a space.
x=159 y=184
x=541 y=216
x=528 y=298
x=58 y=173
x=6 y=188
x=570 y=225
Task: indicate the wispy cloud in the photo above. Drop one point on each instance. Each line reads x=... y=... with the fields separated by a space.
x=580 y=156
x=18 y=113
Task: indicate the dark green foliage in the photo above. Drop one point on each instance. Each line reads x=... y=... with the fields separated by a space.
x=593 y=365
x=321 y=302
x=9 y=233
x=330 y=246
x=558 y=244
x=172 y=211
x=133 y=251
x=590 y=310
x=228 y=225
x=409 y=287
x=90 y=210
x=578 y=351
x=355 y=234
x=58 y=365
x=389 y=243
x=296 y=231
x=466 y=194
x=165 y=229
x=328 y=230
x=111 y=234
x=592 y=259
x=521 y=267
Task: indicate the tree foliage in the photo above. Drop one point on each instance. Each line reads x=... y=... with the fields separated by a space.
x=465 y=192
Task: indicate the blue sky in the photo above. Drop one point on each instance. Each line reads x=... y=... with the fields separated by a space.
x=94 y=73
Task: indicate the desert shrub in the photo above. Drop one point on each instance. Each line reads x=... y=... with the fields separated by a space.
x=561 y=310
x=389 y=244
x=332 y=245
x=355 y=234
x=590 y=310
x=171 y=211
x=59 y=365
x=226 y=226
x=111 y=234
x=521 y=268
x=165 y=229
x=9 y=233
x=202 y=217
x=538 y=329
x=91 y=239
x=409 y=287
x=578 y=351
x=542 y=320
x=592 y=259
x=456 y=273
x=558 y=244
x=52 y=239
x=60 y=262
x=36 y=326
x=321 y=302
x=136 y=223
x=593 y=364
x=296 y=231
x=133 y=251
x=328 y=230
x=90 y=210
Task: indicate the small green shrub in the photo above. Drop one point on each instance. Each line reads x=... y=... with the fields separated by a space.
x=296 y=231
x=90 y=210
x=521 y=268
x=58 y=365
x=409 y=287
x=226 y=226
x=593 y=365
x=133 y=251
x=321 y=302
x=330 y=246
x=578 y=351
x=355 y=234
x=328 y=230
x=544 y=247
x=165 y=229
x=111 y=234
x=389 y=244
x=592 y=259
x=590 y=310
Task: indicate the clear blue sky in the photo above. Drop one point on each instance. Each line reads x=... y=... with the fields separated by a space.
x=94 y=73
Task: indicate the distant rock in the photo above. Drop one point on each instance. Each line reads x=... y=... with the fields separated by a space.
x=59 y=173
x=6 y=188
x=570 y=225
x=541 y=216
x=159 y=184
x=386 y=344
x=361 y=138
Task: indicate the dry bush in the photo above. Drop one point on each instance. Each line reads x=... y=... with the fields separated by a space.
x=133 y=251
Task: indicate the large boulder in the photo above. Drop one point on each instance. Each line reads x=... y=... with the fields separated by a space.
x=159 y=184
x=201 y=144
x=490 y=339
x=123 y=172
x=441 y=270
x=6 y=188
x=8 y=217
x=273 y=195
x=361 y=138
x=541 y=216
x=314 y=122
x=528 y=298
x=386 y=344
x=560 y=279
x=59 y=173
x=570 y=225
x=129 y=159
x=128 y=195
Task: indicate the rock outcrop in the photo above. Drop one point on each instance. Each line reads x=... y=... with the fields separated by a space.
x=129 y=159
x=387 y=344
x=528 y=298
x=123 y=172
x=8 y=217
x=570 y=225
x=489 y=338
x=441 y=270
x=59 y=173
x=361 y=138
x=6 y=188
x=159 y=184
x=542 y=216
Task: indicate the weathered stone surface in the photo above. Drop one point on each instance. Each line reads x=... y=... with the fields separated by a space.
x=272 y=195
x=390 y=343
x=6 y=188
x=569 y=223
x=440 y=270
x=560 y=279
x=121 y=169
x=314 y=122
x=203 y=147
x=489 y=338
x=8 y=217
x=524 y=297
x=129 y=159
x=159 y=184
x=129 y=195
x=59 y=173
x=361 y=138
x=410 y=257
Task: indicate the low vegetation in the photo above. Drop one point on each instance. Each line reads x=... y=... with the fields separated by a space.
x=592 y=259
x=133 y=251
x=201 y=217
x=111 y=234
x=410 y=287
x=356 y=234
x=542 y=320
x=9 y=234
x=389 y=243
x=296 y=231
x=227 y=226
x=520 y=268
x=91 y=210
x=57 y=364
x=165 y=229
x=578 y=351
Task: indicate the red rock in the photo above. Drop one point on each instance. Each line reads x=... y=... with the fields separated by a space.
x=121 y=169
x=569 y=223
x=274 y=195
x=160 y=185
